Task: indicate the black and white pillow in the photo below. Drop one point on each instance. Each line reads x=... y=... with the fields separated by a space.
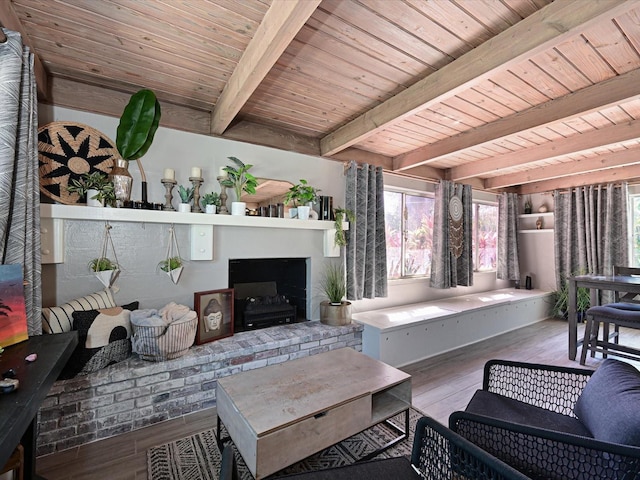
x=59 y=319
x=104 y=338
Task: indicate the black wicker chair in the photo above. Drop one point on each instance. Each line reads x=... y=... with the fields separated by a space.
x=437 y=454
x=525 y=416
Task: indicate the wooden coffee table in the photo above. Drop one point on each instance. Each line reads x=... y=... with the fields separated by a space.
x=279 y=414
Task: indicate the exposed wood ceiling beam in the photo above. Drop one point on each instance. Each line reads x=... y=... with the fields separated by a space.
x=257 y=134
x=550 y=25
x=280 y=25
x=611 y=92
x=557 y=148
x=627 y=173
x=566 y=169
x=10 y=20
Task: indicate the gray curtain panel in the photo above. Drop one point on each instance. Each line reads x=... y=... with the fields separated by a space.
x=19 y=189
x=508 y=264
x=591 y=230
x=447 y=269
x=366 y=250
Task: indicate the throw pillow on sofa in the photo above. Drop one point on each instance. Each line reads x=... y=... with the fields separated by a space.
x=59 y=319
x=608 y=405
x=103 y=339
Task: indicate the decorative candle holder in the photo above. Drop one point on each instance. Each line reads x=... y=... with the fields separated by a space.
x=168 y=185
x=196 y=182
x=223 y=197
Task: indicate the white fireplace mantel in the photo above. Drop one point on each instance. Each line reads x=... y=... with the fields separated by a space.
x=201 y=223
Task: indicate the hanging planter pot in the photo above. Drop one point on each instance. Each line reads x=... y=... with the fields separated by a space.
x=107 y=277
x=172 y=264
x=105 y=269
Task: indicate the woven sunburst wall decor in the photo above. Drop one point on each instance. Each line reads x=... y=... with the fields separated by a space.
x=66 y=150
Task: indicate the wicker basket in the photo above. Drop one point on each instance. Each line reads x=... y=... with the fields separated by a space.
x=163 y=343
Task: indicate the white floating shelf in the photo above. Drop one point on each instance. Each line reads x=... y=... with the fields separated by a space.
x=82 y=212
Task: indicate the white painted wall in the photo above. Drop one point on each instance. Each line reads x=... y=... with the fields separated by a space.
x=141 y=246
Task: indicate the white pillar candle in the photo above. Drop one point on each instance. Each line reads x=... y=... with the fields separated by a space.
x=169 y=174
x=222 y=172
x=196 y=172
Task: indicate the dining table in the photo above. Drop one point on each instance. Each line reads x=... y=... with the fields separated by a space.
x=596 y=283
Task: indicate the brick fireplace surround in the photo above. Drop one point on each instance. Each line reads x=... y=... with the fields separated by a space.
x=135 y=393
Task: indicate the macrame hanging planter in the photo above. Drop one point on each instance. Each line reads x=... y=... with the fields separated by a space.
x=105 y=269
x=172 y=264
x=456 y=237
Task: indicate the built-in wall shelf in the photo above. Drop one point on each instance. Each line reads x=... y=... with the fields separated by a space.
x=527 y=222
x=198 y=221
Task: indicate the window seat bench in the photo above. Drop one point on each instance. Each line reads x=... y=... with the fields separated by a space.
x=408 y=333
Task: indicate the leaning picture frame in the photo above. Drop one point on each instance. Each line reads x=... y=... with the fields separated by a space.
x=215 y=314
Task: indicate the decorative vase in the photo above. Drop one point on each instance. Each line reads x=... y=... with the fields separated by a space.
x=238 y=208
x=90 y=201
x=335 y=314
x=210 y=209
x=184 y=207
x=122 y=181
x=303 y=212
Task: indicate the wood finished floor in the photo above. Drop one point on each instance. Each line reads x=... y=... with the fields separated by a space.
x=440 y=386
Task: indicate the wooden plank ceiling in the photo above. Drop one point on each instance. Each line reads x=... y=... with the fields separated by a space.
x=520 y=95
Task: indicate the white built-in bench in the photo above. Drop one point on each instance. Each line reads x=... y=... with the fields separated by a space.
x=409 y=333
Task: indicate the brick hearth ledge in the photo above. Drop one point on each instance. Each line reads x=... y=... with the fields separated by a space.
x=136 y=393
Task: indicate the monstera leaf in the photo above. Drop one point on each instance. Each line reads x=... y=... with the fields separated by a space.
x=138 y=125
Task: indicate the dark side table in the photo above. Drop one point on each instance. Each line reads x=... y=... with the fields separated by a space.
x=19 y=409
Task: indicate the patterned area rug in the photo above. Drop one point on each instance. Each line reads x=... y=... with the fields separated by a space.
x=198 y=458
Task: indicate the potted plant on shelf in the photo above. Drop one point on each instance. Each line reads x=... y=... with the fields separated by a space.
x=240 y=180
x=105 y=269
x=335 y=310
x=186 y=194
x=172 y=266
x=302 y=196
x=340 y=215
x=95 y=187
x=137 y=127
x=211 y=202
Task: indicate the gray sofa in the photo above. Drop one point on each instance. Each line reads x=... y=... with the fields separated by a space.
x=557 y=422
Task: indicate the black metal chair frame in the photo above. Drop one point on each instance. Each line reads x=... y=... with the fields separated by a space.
x=541 y=452
x=437 y=454
x=617 y=315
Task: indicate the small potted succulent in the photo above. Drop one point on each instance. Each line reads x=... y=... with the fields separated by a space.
x=302 y=196
x=240 y=180
x=211 y=202
x=186 y=194
x=95 y=187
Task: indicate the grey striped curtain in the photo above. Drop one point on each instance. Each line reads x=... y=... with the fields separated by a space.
x=447 y=270
x=590 y=231
x=19 y=190
x=508 y=264
x=366 y=250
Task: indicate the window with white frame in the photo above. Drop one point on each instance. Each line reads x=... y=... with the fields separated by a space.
x=409 y=234
x=635 y=230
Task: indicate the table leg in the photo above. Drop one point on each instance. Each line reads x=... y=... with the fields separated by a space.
x=402 y=434
x=572 y=320
x=29 y=444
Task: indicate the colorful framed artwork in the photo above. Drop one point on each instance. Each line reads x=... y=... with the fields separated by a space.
x=215 y=315
x=13 y=313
